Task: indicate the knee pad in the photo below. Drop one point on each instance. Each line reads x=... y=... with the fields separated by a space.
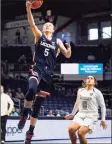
x=37 y=106
x=32 y=89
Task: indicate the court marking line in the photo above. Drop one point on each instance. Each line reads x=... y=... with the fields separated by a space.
x=60 y=139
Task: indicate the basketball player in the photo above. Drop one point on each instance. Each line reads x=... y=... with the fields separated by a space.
x=88 y=100
x=46 y=47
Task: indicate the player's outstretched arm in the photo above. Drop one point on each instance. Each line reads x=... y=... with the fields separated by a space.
x=66 y=52
x=101 y=103
x=75 y=109
x=37 y=33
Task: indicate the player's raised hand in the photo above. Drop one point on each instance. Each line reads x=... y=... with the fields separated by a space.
x=68 y=117
x=103 y=124
x=28 y=4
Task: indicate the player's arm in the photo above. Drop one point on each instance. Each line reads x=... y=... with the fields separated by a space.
x=76 y=105
x=37 y=33
x=58 y=52
x=66 y=52
x=75 y=109
x=101 y=102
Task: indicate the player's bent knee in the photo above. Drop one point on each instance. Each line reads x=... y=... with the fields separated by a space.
x=80 y=133
x=71 y=129
x=37 y=106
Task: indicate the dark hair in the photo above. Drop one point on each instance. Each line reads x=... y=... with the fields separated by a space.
x=84 y=82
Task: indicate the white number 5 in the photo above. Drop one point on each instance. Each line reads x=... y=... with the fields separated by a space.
x=46 y=52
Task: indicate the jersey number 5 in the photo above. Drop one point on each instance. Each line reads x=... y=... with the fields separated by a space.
x=46 y=52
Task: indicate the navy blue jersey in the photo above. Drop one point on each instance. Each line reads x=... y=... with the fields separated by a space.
x=45 y=54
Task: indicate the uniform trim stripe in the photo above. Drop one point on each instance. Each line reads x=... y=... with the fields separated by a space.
x=35 y=79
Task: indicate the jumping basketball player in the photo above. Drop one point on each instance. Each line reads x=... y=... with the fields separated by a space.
x=46 y=47
x=88 y=100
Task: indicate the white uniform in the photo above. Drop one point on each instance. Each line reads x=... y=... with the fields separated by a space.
x=87 y=103
x=5 y=100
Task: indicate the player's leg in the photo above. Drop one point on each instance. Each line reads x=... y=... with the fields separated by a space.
x=34 y=117
x=43 y=90
x=36 y=109
x=81 y=133
x=88 y=126
x=77 y=123
x=72 y=131
x=33 y=83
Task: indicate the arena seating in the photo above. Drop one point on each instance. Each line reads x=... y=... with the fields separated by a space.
x=59 y=100
x=11 y=54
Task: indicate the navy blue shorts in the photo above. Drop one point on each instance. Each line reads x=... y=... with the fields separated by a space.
x=44 y=80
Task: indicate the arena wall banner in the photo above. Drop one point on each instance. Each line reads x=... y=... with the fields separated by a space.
x=78 y=71
x=50 y=129
x=22 y=23
x=90 y=69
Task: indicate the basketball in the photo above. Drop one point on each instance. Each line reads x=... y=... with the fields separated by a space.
x=36 y=3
